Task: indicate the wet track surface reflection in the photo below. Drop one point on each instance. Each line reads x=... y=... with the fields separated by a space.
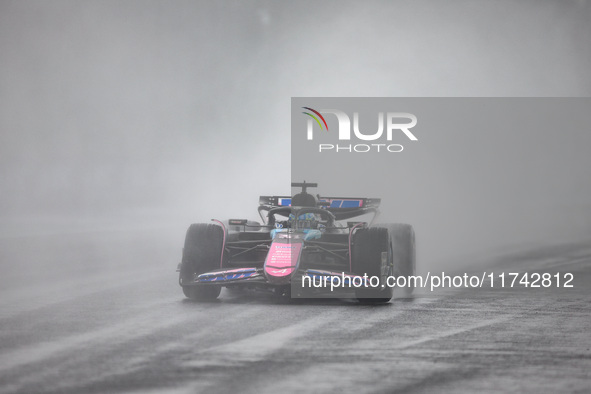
x=120 y=329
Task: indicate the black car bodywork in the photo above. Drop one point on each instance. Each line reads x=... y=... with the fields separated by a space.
x=301 y=236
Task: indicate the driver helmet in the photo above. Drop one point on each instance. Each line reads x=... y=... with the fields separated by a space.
x=308 y=219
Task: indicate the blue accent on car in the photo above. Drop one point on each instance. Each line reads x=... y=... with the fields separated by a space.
x=223 y=276
x=345 y=203
x=284 y=202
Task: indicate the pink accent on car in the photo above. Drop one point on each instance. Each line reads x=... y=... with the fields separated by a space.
x=223 y=241
x=282 y=258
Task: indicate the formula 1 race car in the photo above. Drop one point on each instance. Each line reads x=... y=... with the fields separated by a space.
x=303 y=236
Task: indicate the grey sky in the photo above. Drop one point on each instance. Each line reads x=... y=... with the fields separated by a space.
x=139 y=107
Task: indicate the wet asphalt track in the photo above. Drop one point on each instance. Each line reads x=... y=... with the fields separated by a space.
x=79 y=317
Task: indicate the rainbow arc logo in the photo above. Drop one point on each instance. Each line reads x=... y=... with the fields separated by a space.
x=315 y=118
x=348 y=130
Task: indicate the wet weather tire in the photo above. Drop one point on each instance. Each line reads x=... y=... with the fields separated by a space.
x=202 y=252
x=372 y=255
x=404 y=253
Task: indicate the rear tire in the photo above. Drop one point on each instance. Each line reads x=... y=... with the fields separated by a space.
x=202 y=252
x=404 y=251
x=368 y=246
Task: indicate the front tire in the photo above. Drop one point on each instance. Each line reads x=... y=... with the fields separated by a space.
x=404 y=252
x=371 y=246
x=202 y=252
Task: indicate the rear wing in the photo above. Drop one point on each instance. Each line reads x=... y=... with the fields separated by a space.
x=328 y=202
x=275 y=201
x=341 y=207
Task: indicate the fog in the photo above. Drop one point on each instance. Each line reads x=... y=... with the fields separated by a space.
x=152 y=114
x=486 y=177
